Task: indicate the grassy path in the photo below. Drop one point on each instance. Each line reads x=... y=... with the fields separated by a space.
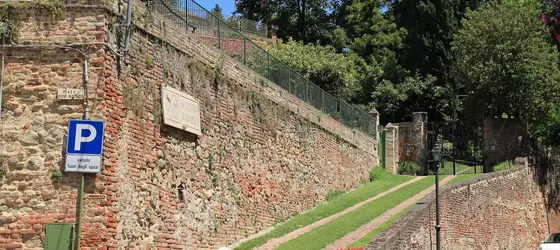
x=273 y=243
x=330 y=232
x=383 y=181
x=459 y=168
x=377 y=222
x=362 y=242
x=463 y=177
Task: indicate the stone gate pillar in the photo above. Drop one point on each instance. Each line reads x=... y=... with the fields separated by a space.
x=375 y=115
x=420 y=124
x=392 y=151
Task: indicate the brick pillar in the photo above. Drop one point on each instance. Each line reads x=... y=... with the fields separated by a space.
x=375 y=115
x=392 y=145
x=420 y=122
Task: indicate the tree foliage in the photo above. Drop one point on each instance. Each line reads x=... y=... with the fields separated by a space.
x=548 y=129
x=329 y=70
x=217 y=11
x=303 y=20
x=427 y=48
x=505 y=63
x=257 y=10
x=401 y=56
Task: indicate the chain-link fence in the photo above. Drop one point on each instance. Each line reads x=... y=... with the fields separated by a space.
x=228 y=37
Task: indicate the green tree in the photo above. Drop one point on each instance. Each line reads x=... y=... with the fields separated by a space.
x=505 y=62
x=548 y=130
x=394 y=100
x=382 y=82
x=257 y=10
x=303 y=20
x=331 y=71
x=217 y=11
x=373 y=32
x=427 y=48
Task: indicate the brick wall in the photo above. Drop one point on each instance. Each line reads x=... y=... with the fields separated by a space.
x=412 y=140
x=502 y=210
x=264 y=154
x=33 y=128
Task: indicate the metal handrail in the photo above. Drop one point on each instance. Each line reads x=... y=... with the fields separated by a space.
x=358 y=118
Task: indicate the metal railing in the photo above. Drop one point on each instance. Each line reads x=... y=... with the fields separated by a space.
x=198 y=17
x=199 y=22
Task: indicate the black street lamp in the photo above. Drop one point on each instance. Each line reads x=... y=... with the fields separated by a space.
x=436 y=154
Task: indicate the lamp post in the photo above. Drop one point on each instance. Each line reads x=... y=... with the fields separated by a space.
x=436 y=154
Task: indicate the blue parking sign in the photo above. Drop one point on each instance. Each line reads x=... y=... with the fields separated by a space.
x=85 y=137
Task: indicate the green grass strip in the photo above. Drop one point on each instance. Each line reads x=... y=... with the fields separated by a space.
x=448 y=168
x=462 y=177
x=383 y=181
x=330 y=232
x=362 y=242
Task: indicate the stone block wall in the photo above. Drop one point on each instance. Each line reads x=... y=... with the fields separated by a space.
x=504 y=139
x=263 y=154
x=502 y=210
x=392 y=148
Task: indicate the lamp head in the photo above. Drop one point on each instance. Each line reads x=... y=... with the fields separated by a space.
x=436 y=153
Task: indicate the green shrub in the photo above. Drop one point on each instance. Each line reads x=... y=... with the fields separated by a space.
x=409 y=168
x=503 y=166
x=56 y=174
x=378 y=173
x=334 y=194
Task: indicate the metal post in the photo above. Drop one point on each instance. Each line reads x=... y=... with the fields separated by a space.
x=187 y=16
x=80 y=212
x=548 y=218
x=219 y=34
x=290 y=80
x=1 y=81
x=454 y=132
x=438 y=226
x=323 y=101
x=474 y=149
x=307 y=92
x=339 y=107
x=82 y=176
x=383 y=149
x=244 y=50
x=268 y=64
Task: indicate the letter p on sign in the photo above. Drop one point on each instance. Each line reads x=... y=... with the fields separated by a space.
x=85 y=137
x=79 y=138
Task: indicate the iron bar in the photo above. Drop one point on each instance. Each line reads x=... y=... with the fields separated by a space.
x=438 y=226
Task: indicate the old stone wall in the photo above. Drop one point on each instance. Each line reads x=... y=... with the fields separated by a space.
x=33 y=129
x=412 y=140
x=504 y=139
x=554 y=217
x=502 y=210
x=263 y=154
x=392 y=148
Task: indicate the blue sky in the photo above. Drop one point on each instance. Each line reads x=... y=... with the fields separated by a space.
x=228 y=6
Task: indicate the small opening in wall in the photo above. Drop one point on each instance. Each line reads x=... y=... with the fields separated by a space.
x=180 y=194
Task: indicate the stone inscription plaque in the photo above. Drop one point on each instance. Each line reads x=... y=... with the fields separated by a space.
x=71 y=94
x=180 y=110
